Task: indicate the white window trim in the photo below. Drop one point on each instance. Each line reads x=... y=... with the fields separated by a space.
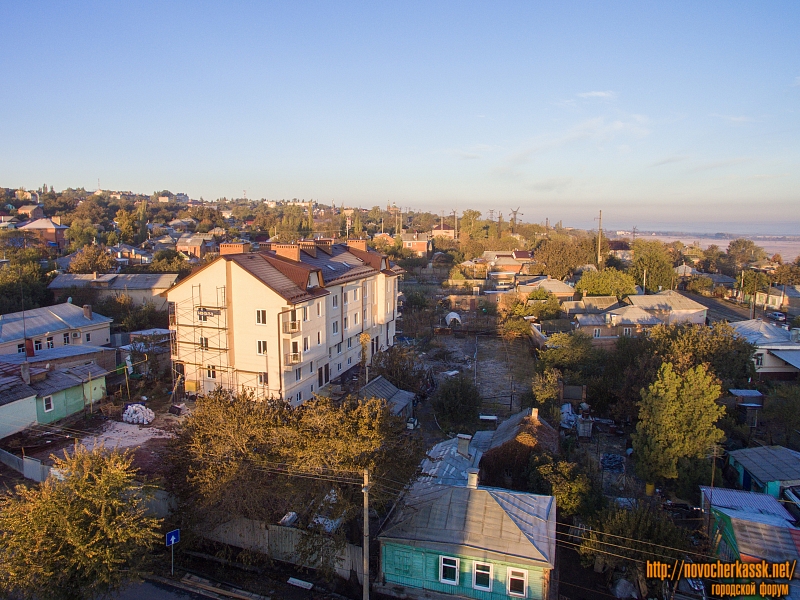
x=258 y=316
x=263 y=347
x=44 y=403
x=441 y=570
x=596 y=332
x=475 y=566
x=508 y=585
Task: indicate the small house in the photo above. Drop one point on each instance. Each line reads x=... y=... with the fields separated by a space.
x=766 y=469
x=400 y=402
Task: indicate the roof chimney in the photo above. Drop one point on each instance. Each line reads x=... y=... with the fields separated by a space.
x=357 y=244
x=288 y=251
x=463 y=444
x=234 y=248
x=94 y=274
x=25 y=372
x=29 y=348
x=472 y=478
x=87 y=311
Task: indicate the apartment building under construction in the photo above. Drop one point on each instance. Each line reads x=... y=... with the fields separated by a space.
x=282 y=322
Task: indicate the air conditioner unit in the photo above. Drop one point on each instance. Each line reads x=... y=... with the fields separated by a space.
x=76 y=334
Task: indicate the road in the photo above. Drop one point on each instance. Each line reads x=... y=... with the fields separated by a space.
x=720 y=310
x=153 y=590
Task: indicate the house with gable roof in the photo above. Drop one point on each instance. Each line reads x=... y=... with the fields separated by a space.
x=777 y=354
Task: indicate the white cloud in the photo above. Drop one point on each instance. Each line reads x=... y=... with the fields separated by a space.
x=608 y=95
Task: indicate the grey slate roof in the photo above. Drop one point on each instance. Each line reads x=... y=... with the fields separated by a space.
x=769 y=463
x=483 y=522
x=113 y=281
x=49 y=319
x=49 y=354
x=396 y=398
x=667 y=301
x=752 y=502
x=762 y=334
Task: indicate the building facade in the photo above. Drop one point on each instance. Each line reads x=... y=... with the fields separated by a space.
x=283 y=322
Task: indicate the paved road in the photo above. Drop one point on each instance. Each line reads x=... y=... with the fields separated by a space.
x=720 y=310
x=151 y=590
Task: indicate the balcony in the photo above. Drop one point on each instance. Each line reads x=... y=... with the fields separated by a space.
x=292 y=358
x=291 y=327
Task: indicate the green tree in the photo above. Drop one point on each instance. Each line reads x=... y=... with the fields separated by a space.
x=457 y=404
x=787 y=274
x=81 y=233
x=677 y=416
x=699 y=284
x=653 y=258
x=126 y=221
x=563 y=479
x=783 y=410
x=92 y=259
x=23 y=285
x=82 y=534
x=608 y=282
x=400 y=365
x=742 y=252
x=572 y=354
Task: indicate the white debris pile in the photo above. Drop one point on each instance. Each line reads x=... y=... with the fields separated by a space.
x=138 y=413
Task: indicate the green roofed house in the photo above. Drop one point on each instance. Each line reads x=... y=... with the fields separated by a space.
x=470 y=542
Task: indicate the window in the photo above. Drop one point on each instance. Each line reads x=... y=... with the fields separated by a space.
x=88 y=337
x=517 y=582
x=261 y=317
x=311 y=368
x=319 y=338
x=299 y=396
x=339 y=348
x=298 y=374
x=596 y=332
x=263 y=379
x=202 y=316
x=759 y=359
x=349 y=360
x=349 y=343
x=203 y=343
x=211 y=372
x=261 y=346
x=355 y=319
x=305 y=313
x=344 y=295
x=335 y=327
x=345 y=323
x=365 y=293
x=306 y=343
x=319 y=309
x=482 y=576
x=404 y=563
x=66 y=339
x=626 y=331
x=50 y=343
x=355 y=295
x=339 y=366
x=48 y=403
x=448 y=570
x=20 y=348
x=335 y=300
x=37 y=344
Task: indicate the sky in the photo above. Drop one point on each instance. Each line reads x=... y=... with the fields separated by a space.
x=664 y=115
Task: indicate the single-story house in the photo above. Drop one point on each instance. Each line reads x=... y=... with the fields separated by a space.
x=766 y=469
x=62 y=357
x=607 y=327
x=401 y=402
x=671 y=307
x=65 y=392
x=53 y=326
x=140 y=287
x=784 y=297
x=468 y=542
x=17 y=402
x=591 y=305
x=777 y=354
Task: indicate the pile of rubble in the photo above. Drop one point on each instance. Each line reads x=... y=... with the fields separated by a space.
x=138 y=413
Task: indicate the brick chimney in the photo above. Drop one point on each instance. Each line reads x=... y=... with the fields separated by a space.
x=29 y=352
x=324 y=244
x=357 y=244
x=87 y=311
x=463 y=444
x=472 y=478
x=234 y=248
x=25 y=372
x=289 y=251
x=309 y=247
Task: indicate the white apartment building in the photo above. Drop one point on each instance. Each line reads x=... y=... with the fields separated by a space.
x=282 y=322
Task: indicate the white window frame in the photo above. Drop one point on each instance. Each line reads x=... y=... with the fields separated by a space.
x=298 y=374
x=626 y=331
x=319 y=338
x=457 y=566
x=299 y=397
x=346 y=322
x=66 y=339
x=335 y=327
x=88 y=337
x=319 y=309
x=758 y=359
x=263 y=378
x=339 y=367
x=306 y=343
x=203 y=343
x=211 y=372
x=37 y=345
x=475 y=566
x=355 y=295
x=20 y=348
x=525 y=580
x=261 y=316
x=335 y=301
x=349 y=343
x=50 y=342
x=596 y=332
x=45 y=400
x=344 y=298
x=349 y=360
x=261 y=347
x=305 y=313
x=355 y=318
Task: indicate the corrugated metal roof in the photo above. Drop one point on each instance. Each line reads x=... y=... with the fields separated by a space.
x=49 y=319
x=381 y=388
x=769 y=463
x=56 y=381
x=633 y=315
x=762 y=334
x=745 y=501
x=746 y=393
x=666 y=301
x=513 y=524
x=53 y=353
x=791 y=357
x=139 y=281
x=763 y=536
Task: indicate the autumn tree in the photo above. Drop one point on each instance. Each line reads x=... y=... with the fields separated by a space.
x=608 y=282
x=572 y=488
x=677 y=420
x=572 y=354
x=83 y=533
x=742 y=252
x=652 y=265
x=92 y=259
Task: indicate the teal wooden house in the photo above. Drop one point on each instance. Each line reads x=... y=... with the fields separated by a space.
x=468 y=542
x=65 y=392
x=767 y=470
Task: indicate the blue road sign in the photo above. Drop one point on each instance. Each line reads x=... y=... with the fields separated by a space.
x=173 y=537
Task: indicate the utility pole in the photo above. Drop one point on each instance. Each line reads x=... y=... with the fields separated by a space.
x=365 y=549
x=644 y=282
x=599 y=237
x=455 y=225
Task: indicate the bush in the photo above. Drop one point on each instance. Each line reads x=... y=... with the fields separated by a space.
x=457 y=404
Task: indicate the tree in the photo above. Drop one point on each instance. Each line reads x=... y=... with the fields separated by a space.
x=653 y=258
x=126 y=221
x=699 y=284
x=23 y=285
x=787 y=274
x=564 y=480
x=457 y=404
x=677 y=416
x=608 y=282
x=561 y=256
x=82 y=534
x=92 y=259
x=572 y=354
x=742 y=252
x=621 y=538
x=783 y=410
x=401 y=367
x=238 y=458
x=81 y=233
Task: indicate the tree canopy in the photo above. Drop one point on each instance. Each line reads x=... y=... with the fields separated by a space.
x=81 y=534
x=608 y=282
x=92 y=259
x=653 y=258
x=457 y=404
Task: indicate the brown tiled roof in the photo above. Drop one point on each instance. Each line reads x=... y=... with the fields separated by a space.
x=373 y=259
x=261 y=268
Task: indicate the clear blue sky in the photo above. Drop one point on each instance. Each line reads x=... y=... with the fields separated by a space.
x=670 y=114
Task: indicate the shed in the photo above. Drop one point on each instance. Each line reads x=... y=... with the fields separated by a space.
x=401 y=402
x=767 y=469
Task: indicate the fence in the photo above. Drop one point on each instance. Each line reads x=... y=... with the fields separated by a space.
x=280 y=543
x=30 y=468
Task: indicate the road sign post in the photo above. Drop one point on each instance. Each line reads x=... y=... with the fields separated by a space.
x=173 y=537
